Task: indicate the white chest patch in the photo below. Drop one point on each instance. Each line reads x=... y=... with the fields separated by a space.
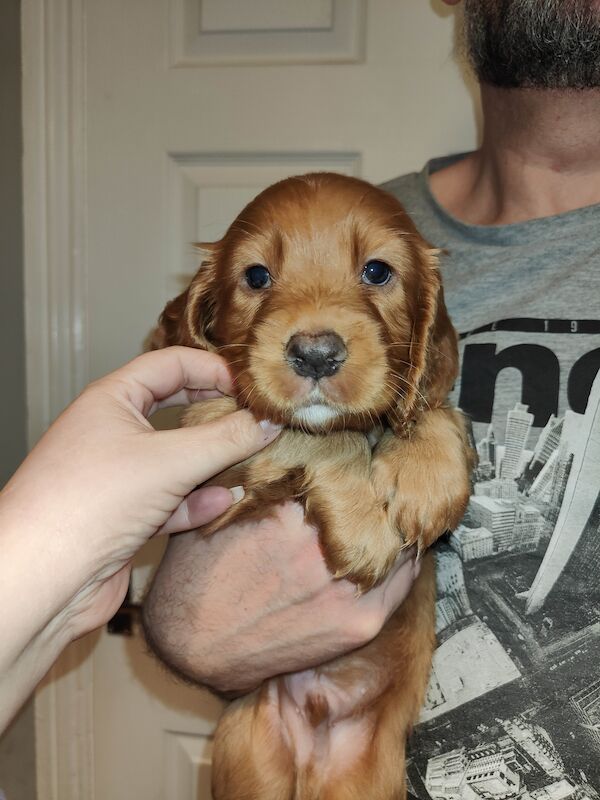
x=316 y=414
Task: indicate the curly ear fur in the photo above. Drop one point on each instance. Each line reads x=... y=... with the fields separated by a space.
x=187 y=319
x=433 y=348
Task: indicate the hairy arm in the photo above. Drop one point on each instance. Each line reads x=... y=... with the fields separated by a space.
x=256 y=599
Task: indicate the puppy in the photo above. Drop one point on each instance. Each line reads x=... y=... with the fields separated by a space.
x=328 y=306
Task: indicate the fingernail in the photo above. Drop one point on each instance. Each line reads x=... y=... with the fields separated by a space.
x=270 y=428
x=237 y=492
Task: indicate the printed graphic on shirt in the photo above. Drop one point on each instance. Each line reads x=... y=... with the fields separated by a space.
x=513 y=706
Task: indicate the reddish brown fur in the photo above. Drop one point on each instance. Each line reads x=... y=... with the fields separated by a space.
x=315 y=233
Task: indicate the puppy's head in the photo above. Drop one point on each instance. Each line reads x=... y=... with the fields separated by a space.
x=327 y=304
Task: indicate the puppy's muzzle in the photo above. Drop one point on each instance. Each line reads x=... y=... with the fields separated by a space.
x=316 y=355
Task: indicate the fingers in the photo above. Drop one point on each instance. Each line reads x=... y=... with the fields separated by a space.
x=200 y=507
x=173 y=376
x=377 y=605
x=186 y=396
x=399 y=582
x=193 y=455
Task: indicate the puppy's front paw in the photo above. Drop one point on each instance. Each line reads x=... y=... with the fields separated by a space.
x=426 y=485
x=358 y=543
x=423 y=514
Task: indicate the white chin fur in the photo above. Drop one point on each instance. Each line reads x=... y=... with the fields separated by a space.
x=317 y=414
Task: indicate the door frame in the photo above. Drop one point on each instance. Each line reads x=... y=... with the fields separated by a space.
x=54 y=208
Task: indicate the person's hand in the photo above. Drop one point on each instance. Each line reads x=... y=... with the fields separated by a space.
x=102 y=481
x=256 y=599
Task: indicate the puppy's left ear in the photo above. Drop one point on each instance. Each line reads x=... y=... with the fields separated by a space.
x=433 y=349
x=187 y=319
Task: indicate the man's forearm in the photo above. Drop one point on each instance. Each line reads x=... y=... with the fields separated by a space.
x=282 y=612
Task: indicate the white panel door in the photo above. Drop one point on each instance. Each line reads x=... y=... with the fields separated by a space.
x=188 y=108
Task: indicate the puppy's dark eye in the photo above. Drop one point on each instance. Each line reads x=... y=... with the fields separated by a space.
x=376 y=273
x=258 y=277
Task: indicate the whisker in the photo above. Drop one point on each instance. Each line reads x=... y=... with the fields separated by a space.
x=250 y=391
x=415 y=390
x=428 y=345
x=403 y=379
x=236 y=361
x=233 y=344
x=409 y=364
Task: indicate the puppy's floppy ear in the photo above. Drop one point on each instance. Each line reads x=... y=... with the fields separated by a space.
x=188 y=318
x=433 y=348
x=171 y=328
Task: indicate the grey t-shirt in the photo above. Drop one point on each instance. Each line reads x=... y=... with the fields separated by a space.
x=513 y=708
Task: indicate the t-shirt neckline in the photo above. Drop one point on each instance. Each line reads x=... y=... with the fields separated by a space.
x=513 y=233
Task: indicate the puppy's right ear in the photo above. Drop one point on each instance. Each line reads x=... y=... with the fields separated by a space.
x=171 y=327
x=187 y=319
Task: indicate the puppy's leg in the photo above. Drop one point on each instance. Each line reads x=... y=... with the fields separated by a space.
x=404 y=650
x=250 y=759
x=358 y=539
x=337 y=732
x=411 y=492
x=426 y=477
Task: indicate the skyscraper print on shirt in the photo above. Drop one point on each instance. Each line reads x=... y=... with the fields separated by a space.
x=513 y=706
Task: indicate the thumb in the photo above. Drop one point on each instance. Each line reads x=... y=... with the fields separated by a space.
x=400 y=580
x=202 y=451
x=201 y=506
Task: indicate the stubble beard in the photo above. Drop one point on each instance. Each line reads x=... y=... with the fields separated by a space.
x=544 y=44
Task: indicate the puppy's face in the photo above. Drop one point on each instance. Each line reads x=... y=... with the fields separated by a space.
x=324 y=300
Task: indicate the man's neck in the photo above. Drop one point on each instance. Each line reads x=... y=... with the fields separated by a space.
x=540 y=156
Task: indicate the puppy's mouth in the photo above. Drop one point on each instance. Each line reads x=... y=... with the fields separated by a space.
x=315 y=378
x=315 y=409
x=314 y=357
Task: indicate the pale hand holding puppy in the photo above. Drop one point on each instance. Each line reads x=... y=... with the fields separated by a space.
x=101 y=482
x=95 y=488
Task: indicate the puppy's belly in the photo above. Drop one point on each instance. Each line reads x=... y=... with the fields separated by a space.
x=320 y=722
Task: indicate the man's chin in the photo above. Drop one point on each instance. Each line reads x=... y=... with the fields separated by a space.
x=533 y=45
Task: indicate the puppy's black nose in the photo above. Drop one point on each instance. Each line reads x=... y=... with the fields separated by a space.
x=317 y=355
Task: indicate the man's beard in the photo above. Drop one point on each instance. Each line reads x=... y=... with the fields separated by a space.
x=547 y=44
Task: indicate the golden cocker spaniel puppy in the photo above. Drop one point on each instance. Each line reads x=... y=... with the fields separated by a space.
x=328 y=306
